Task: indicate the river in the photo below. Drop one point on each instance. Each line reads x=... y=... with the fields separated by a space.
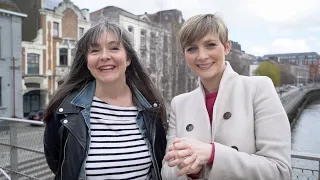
x=306 y=138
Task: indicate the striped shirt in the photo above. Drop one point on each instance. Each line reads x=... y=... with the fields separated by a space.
x=117 y=148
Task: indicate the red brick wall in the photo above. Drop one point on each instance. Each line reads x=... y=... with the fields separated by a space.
x=70 y=24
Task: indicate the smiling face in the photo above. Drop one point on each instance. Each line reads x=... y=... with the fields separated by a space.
x=206 y=57
x=107 y=60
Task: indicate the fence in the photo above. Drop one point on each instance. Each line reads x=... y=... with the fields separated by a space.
x=21 y=150
x=22 y=157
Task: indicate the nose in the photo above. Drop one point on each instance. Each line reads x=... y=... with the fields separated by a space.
x=202 y=54
x=105 y=55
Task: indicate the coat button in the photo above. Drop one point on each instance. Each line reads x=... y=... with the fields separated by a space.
x=65 y=121
x=60 y=109
x=227 y=115
x=155 y=105
x=235 y=147
x=189 y=127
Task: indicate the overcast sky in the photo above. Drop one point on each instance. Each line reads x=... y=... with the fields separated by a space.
x=260 y=26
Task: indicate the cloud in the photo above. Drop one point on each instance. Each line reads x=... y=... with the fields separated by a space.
x=312 y=38
x=289 y=45
x=314 y=28
x=258 y=51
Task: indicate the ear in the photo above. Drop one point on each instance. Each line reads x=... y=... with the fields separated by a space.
x=227 y=47
x=128 y=61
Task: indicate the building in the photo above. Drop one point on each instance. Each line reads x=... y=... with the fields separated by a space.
x=315 y=72
x=155 y=38
x=10 y=59
x=239 y=60
x=305 y=58
x=50 y=33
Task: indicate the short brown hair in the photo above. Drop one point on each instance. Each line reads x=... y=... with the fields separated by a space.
x=198 y=26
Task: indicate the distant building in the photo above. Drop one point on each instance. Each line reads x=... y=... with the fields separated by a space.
x=50 y=34
x=10 y=59
x=239 y=60
x=305 y=58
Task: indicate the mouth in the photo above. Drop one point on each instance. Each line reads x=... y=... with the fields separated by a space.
x=107 y=68
x=205 y=66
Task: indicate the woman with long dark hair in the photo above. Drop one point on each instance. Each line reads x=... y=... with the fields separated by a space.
x=103 y=121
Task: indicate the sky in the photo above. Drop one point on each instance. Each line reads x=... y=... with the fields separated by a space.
x=260 y=26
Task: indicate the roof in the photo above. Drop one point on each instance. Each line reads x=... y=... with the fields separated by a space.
x=292 y=54
x=9 y=5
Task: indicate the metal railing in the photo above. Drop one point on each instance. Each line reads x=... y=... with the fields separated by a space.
x=306 y=166
x=21 y=150
x=22 y=156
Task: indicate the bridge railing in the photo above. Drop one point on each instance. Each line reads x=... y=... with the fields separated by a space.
x=305 y=166
x=21 y=150
x=22 y=156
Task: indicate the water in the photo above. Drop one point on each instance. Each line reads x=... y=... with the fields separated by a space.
x=306 y=138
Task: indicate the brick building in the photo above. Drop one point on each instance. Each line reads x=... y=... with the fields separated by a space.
x=49 y=37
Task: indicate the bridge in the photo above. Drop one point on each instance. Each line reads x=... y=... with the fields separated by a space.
x=22 y=156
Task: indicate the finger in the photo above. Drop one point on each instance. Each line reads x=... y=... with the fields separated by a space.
x=189 y=160
x=195 y=164
x=170 y=155
x=182 y=145
x=177 y=140
x=184 y=153
x=171 y=148
x=184 y=170
x=175 y=162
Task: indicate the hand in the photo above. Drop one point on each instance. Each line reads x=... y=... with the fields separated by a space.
x=183 y=157
x=200 y=149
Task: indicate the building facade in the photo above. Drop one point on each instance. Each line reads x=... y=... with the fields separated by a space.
x=10 y=60
x=50 y=36
x=155 y=38
x=306 y=58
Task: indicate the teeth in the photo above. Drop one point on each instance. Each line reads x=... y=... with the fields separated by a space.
x=107 y=68
x=204 y=65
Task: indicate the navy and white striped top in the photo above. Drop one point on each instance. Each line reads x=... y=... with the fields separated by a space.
x=117 y=148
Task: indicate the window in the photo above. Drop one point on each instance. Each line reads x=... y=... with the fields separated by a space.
x=32 y=85
x=55 y=29
x=0 y=91
x=152 y=40
x=130 y=29
x=63 y=57
x=81 y=32
x=143 y=38
x=33 y=63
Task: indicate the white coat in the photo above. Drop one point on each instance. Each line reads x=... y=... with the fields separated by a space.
x=250 y=129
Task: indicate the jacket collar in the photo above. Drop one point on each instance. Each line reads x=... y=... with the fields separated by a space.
x=227 y=75
x=83 y=99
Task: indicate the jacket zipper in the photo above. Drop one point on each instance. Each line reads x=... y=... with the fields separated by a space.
x=64 y=154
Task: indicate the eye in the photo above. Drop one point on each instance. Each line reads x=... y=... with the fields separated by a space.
x=94 y=50
x=115 y=48
x=190 y=49
x=212 y=45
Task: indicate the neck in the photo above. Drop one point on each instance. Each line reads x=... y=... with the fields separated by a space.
x=117 y=93
x=212 y=85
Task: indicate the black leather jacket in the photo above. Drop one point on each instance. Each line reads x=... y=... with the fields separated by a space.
x=67 y=134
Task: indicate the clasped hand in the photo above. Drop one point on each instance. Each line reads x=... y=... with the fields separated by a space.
x=188 y=154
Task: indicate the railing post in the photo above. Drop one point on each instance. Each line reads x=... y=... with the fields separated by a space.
x=13 y=151
x=319 y=172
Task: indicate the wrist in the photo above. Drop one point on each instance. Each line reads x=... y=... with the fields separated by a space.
x=211 y=159
x=207 y=154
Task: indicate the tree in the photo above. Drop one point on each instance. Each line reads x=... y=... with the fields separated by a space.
x=271 y=70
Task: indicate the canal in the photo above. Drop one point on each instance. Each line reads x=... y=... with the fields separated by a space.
x=306 y=138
